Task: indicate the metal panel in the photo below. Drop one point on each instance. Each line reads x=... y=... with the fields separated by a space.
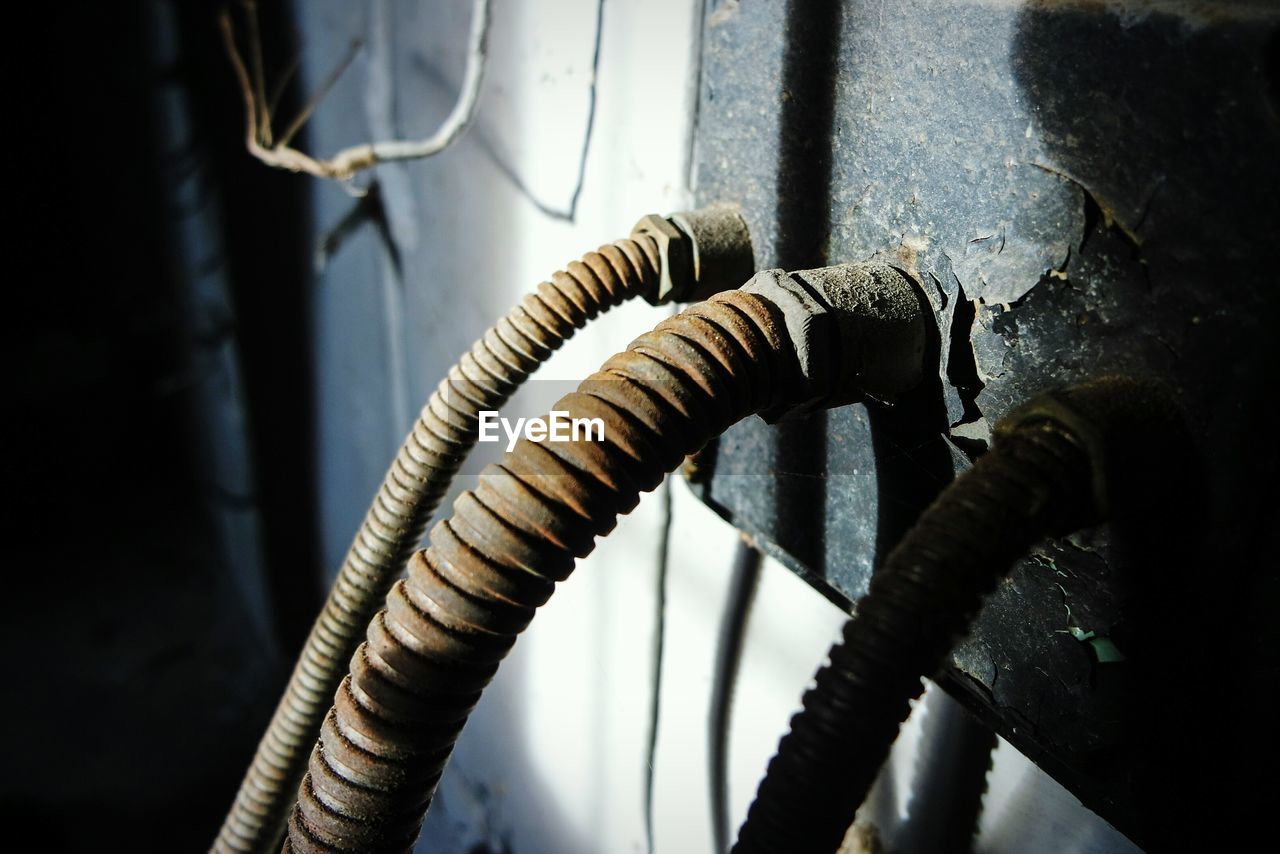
x=1080 y=189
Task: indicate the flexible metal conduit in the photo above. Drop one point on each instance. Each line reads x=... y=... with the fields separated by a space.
x=1043 y=477
x=693 y=254
x=427 y=657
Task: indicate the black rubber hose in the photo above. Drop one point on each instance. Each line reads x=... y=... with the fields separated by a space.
x=446 y=627
x=446 y=430
x=1036 y=481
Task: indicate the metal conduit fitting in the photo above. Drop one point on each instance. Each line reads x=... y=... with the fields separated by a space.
x=859 y=331
x=710 y=250
x=428 y=655
x=1046 y=475
x=702 y=252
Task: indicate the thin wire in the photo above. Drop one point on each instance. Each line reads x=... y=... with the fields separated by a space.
x=591 y=114
x=478 y=136
x=659 y=642
x=464 y=109
x=351 y=160
x=327 y=84
x=733 y=630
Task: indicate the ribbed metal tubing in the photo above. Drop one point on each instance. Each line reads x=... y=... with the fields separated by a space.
x=429 y=654
x=1035 y=482
x=441 y=438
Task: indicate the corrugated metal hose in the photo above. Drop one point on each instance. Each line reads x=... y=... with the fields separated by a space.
x=446 y=627
x=691 y=255
x=428 y=655
x=781 y=343
x=1046 y=475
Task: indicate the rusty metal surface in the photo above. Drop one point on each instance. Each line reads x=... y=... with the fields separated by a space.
x=1079 y=189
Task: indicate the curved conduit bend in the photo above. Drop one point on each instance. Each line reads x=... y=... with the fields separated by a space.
x=691 y=255
x=1043 y=477
x=429 y=654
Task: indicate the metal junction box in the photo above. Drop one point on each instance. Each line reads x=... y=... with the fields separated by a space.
x=1079 y=189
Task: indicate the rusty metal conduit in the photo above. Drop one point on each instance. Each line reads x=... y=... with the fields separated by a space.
x=807 y=339
x=689 y=256
x=1046 y=475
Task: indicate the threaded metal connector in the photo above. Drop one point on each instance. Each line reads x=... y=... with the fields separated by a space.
x=858 y=329
x=1115 y=419
x=702 y=252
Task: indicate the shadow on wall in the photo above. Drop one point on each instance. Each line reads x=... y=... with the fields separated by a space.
x=802 y=215
x=912 y=462
x=1168 y=121
x=143 y=674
